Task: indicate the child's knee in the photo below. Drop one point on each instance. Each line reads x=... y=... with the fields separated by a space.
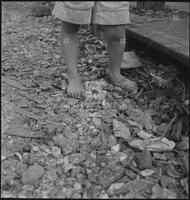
x=69 y=28
x=114 y=33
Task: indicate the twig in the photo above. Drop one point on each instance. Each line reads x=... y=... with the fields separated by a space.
x=183 y=86
x=169 y=125
x=25 y=136
x=139 y=93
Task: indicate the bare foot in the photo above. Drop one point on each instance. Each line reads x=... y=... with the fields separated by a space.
x=75 y=88
x=123 y=83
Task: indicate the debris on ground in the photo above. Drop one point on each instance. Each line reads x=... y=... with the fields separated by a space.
x=112 y=144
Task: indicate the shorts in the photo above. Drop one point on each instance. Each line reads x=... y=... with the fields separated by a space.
x=86 y=12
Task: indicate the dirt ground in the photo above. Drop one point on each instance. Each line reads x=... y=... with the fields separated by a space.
x=112 y=144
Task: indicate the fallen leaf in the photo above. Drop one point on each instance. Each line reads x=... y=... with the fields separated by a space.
x=78 y=187
x=186 y=161
x=112 y=141
x=18 y=155
x=20 y=131
x=171 y=171
x=166 y=180
x=159 y=156
x=144 y=135
x=162 y=127
x=156 y=144
x=162 y=92
x=183 y=145
x=96 y=121
x=185 y=184
x=120 y=130
x=162 y=193
x=67 y=165
x=110 y=174
x=133 y=123
x=63 y=84
x=13 y=83
x=45 y=85
x=34 y=173
x=143 y=159
x=112 y=190
x=56 y=151
x=27 y=114
x=103 y=59
x=115 y=148
x=68 y=145
x=159 y=80
x=147 y=172
x=77 y=158
x=91 y=48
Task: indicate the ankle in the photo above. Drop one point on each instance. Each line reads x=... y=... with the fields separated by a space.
x=114 y=75
x=73 y=75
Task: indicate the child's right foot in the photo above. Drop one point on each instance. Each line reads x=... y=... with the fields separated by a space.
x=75 y=88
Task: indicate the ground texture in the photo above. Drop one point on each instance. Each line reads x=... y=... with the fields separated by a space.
x=112 y=144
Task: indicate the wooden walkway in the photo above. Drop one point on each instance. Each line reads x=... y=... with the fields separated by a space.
x=169 y=36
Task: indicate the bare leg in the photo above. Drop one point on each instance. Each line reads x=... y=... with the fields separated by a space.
x=115 y=38
x=69 y=44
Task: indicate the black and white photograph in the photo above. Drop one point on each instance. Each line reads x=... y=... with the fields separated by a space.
x=95 y=99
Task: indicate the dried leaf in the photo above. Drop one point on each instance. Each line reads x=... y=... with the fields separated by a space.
x=185 y=184
x=112 y=141
x=156 y=145
x=133 y=123
x=186 y=161
x=68 y=145
x=77 y=158
x=91 y=48
x=33 y=173
x=120 y=130
x=18 y=155
x=28 y=114
x=159 y=80
x=162 y=193
x=110 y=174
x=159 y=156
x=63 y=85
x=147 y=172
x=166 y=180
x=67 y=165
x=96 y=121
x=20 y=131
x=13 y=83
x=45 y=85
x=116 y=148
x=56 y=151
x=113 y=189
x=171 y=171
x=143 y=159
x=144 y=135
x=184 y=144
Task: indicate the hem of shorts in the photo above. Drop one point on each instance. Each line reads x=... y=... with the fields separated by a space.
x=109 y=19
x=66 y=14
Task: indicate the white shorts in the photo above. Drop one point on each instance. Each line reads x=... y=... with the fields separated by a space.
x=85 y=12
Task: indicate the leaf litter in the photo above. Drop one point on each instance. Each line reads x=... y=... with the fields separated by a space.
x=110 y=145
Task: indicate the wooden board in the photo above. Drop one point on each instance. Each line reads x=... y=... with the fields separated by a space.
x=155 y=35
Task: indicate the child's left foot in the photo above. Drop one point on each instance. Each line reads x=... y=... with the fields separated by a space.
x=123 y=83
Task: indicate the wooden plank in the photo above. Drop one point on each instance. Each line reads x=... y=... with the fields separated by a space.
x=176 y=50
x=164 y=39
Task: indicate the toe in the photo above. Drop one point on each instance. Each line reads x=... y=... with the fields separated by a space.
x=68 y=94
x=82 y=94
x=77 y=95
x=74 y=95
